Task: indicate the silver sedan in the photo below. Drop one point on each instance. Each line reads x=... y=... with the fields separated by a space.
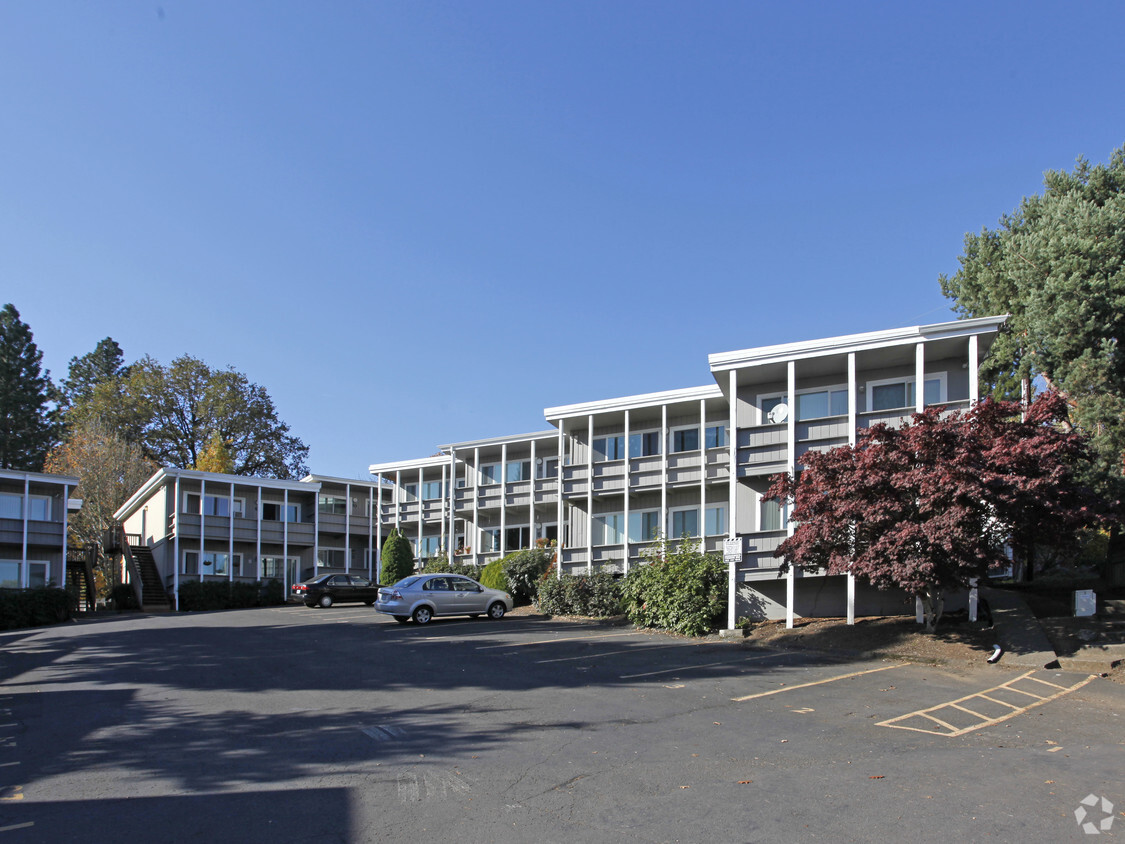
x=422 y=596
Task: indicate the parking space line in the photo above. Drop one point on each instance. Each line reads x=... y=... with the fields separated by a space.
x=818 y=682
x=950 y=731
x=552 y=641
x=600 y=654
x=690 y=667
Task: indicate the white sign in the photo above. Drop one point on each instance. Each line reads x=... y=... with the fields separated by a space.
x=1085 y=603
x=732 y=550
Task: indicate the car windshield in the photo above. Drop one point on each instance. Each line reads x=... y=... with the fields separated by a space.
x=407 y=581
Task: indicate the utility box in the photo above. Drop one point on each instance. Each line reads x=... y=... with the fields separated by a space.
x=1085 y=603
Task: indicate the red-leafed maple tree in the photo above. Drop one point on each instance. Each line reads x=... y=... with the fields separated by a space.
x=930 y=505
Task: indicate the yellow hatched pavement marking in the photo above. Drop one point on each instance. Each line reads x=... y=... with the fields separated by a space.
x=985 y=721
x=817 y=682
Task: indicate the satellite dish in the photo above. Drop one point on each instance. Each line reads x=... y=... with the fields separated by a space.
x=779 y=413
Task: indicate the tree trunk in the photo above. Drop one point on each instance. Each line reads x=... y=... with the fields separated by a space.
x=933 y=604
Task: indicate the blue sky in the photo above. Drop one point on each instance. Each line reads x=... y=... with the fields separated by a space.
x=417 y=223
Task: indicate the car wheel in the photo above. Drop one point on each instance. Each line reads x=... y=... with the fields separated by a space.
x=496 y=611
x=402 y=619
x=326 y=601
x=422 y=615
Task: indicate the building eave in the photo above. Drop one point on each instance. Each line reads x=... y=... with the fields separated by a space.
x=568 y=411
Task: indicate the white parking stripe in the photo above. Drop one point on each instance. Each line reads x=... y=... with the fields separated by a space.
x=690 y=667
x=600 y=654
x=552 y=641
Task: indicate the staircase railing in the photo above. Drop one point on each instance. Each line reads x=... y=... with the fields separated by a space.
x=117 y=540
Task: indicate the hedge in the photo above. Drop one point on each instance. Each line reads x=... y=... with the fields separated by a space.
x=596 y=595
x=33 y=607
x=229 y=595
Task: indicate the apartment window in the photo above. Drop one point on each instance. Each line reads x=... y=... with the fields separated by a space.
x=11 y=574
x=644 y=444
x=429 y=546
x=547 y=468
x=489 y=474
x=685 y=439
x=716 y=436
x=715 y=521
x=212 y=562
x=333 y=558
x=685 y=523
x=770 y=515
x=11 y=506
x=820 y=403
x=518 y=470
x=273 y=568
x=609 y=448
x=608 y=529
x=333 y=505
x=899 y=393
x=490 y=540
x=410 y=492
x=516 y=538
x=644 y=526
x=213 y=505
x=275 y=511
x=432 y=490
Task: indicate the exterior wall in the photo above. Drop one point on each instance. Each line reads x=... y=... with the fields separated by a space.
x=26 y=541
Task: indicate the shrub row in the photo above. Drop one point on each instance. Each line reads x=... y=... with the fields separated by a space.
x=679 y=589
x=439 y=565
x=229 y=595
x=33 y=607
x=597 y=595
x=524 y=570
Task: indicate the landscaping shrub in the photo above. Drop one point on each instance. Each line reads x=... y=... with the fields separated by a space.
x=524 y=570
x=33 y=607
x=124 y=597
x=196 y=596
x=492 y=576
x=680 y=589
x=439 y=565
x=398 y=558
x=597 y=595
x=273 y=593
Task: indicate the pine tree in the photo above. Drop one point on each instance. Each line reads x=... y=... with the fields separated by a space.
x=103 y=365
x=27 y=429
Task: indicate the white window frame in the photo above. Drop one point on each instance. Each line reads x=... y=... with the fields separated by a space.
x=522 y=463
x=491 y=473
x=724 y=436
x=232 y=562
x=284 y=562
x=941 y=377
x=602 y=456
x=239 y=505
x=281 y=510
x=783 y=396
x=330 y=501
x=639 y=515
x=722 y=526
x=679 y=429
x=599 y=528
x=544 y=470
x=431 y=484
x=23 y=571
x=676 y=511
x=640 y=435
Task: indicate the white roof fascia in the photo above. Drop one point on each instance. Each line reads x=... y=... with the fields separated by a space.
x=161 y=476
x=329 y=479
x=400 y=465
x=515 y=438
x=723 y=361
x=566 y=411
x=38 y=477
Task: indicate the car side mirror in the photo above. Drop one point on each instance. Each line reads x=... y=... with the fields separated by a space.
x=480 y=589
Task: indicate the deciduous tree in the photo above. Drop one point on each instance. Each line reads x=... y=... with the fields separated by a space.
x=930 y=505
x=27 y=425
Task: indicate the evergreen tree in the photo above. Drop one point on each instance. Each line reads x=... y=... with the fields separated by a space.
x=398 y=558
x=105 y=364
x=27 y=429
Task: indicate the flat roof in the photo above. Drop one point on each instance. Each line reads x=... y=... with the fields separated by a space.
x=160 y=476
x=707 y=391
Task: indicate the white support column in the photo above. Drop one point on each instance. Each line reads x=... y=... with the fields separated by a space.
x=732 y=495
x=451 y=498
x=791 y=468
x=852 y=421
x=974 y=370
x=628 y=468
x=559 y=527
x=230 y=542
x=65 y=526
x=920 y=377
x=703 y=475
x=398 y=496
x=377 y=513
x=177 y=505
x=503 y=499
x=202 y=523
x=590 y=494
x=421 y=520
x=441 y=503
x=665 y=528
x=316 y=532
x=258 y=535
x=347 y=525
x=475 y=542
x=371 y=505
x=24 y=567
x=531 y=505
x=285 y=544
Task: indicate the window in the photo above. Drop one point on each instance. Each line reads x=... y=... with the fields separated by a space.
x=685 y=439
x=213 y=505
x=333 y=505
x=429 y=546
x=490 y=540
x=899 y=393
x=36 y=575
x=770 y=515
x=644 y=526
x=10 y=574
x=547 y=468
x=518 y=470
x=516 y=538
x=11 y=506
x=609 y=448
x=716 y=436
x=410 y=492
x=821 y=403
x=608 y=529
x=715 y=521
x=489 y=474
x=644 y=444
x=431 y=490
x=274 y=568
x=39 y=508
x=333 y=558
x=212 y=562
x=275 y=511
x=685 y=523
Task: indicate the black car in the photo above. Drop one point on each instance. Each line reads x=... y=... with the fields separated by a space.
x=329 y=589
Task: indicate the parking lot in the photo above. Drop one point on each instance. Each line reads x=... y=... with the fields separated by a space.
x=296 y=724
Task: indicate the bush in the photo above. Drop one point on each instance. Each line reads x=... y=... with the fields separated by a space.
x=124 y=597
x=398 y=558
x=492 y=576
x=33 y=607
x=679 y=589
x=597 y=595
x=439 y=565
x=196 y=596
x=524 y=569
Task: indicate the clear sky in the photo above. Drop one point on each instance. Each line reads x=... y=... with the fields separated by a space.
x=417 y=223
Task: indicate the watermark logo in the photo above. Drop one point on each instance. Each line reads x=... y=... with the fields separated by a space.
x=1088 y=817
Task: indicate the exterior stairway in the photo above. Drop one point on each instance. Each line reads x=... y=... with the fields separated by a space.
x=155 y=598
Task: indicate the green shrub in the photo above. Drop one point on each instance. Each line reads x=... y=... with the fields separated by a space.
x=398 y=558
x=524 y=570
x=273 y=593
x=196 y=596
x=439 y=565
x=680 y=589
x=492 y=576
x=33 y=607
x=124 y=597
x=596 y=595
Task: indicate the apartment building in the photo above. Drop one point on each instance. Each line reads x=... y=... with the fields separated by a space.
x=613 y=474
x=34 y=515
